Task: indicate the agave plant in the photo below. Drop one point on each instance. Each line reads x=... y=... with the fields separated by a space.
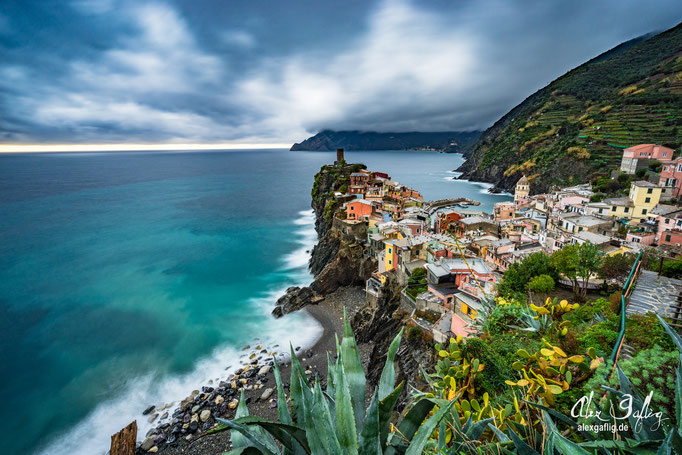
x=335 y=421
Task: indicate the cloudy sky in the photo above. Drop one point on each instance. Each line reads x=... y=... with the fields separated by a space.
x=97 y=71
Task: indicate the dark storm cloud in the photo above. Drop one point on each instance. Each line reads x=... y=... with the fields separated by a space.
x=107 y=70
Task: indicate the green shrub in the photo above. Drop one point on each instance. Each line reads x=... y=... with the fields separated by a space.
x=497 y=369
x=587 y=311
x=651 y=369
x=503 y=316
x=672 y=269
x=643 y=331
x=600 y=336
x=414 y=333
x=543 y=284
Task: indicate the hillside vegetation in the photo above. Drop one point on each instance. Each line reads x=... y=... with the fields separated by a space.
x=577 y=127
x=447 y=141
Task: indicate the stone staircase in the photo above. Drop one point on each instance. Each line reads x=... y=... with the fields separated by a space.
x=655 y=294
x=660 y=295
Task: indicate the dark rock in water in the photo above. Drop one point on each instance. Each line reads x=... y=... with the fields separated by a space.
x=159 y=439
x=294 y=299
x=187 y=418
x=149 y=410
x=171 y=439
x=193 y=426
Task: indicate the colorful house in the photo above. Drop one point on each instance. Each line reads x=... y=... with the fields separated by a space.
x=359 y=210
x=671 y=177
x=639 y=156
x=645 y=196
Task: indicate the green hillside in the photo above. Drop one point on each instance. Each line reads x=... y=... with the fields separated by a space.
x=576 y=127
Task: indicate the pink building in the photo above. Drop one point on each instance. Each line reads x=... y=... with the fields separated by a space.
x=667 y=218
x=572 y=199
x=638 y=157
x=671 y=175
x=671 y=238
x=645 y=238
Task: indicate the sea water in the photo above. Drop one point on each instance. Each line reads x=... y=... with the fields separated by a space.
x=129 y=279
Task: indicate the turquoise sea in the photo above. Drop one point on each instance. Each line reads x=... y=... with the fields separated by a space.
x=131 y=278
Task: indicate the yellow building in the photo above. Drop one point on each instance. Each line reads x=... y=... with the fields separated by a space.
x=390 y=253
x=522 y=190
x=643 y=197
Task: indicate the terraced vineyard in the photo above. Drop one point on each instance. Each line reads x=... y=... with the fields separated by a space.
x=577 y=127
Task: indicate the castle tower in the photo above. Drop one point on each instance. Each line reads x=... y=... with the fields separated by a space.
x=522 y=190
x=339 y=156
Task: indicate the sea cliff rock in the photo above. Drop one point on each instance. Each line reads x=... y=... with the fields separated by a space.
x=377 y=325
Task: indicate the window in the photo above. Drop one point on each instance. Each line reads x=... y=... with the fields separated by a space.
x=600 y=210
x=667 y=220
x=613 y=209
x=649 y=190
x=647 y=200
x=643 y=211
x=667 y=238
x=390 y=262
x=627 y=209
x=390 y=251
x=679 y=168
x=352 y=208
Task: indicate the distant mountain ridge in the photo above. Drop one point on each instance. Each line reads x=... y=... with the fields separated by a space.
x=445 y=141
x=576 y=127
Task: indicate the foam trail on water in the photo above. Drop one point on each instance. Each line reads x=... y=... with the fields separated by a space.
x=92 y=435
x=306 y=238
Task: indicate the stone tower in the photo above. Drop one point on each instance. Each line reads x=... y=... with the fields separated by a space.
x=522 y=190
x=339 y=156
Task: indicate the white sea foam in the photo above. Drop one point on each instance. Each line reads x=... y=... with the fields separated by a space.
x=92 y=434
x=306 y=238
x=485 y=188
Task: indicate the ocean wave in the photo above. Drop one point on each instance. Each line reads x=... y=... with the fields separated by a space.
x=92 y=434
x=306 y=237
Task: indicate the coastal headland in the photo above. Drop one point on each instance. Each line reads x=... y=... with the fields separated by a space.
x=341 y=265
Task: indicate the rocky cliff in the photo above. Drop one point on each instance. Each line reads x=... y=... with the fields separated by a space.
x=340 y=260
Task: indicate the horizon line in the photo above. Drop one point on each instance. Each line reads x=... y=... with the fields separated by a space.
x=134 y=147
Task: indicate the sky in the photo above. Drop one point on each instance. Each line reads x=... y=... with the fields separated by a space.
x=268 y=71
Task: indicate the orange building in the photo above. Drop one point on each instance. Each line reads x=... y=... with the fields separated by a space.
x=359 y=209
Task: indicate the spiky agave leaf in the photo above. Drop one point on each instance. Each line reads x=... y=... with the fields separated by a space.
x=408 y=426
x=322 y=422
x=297 y=383
x=387 y=380
x=353 y=371
x=368 y=441
x=345 y=419
x=420 y=439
